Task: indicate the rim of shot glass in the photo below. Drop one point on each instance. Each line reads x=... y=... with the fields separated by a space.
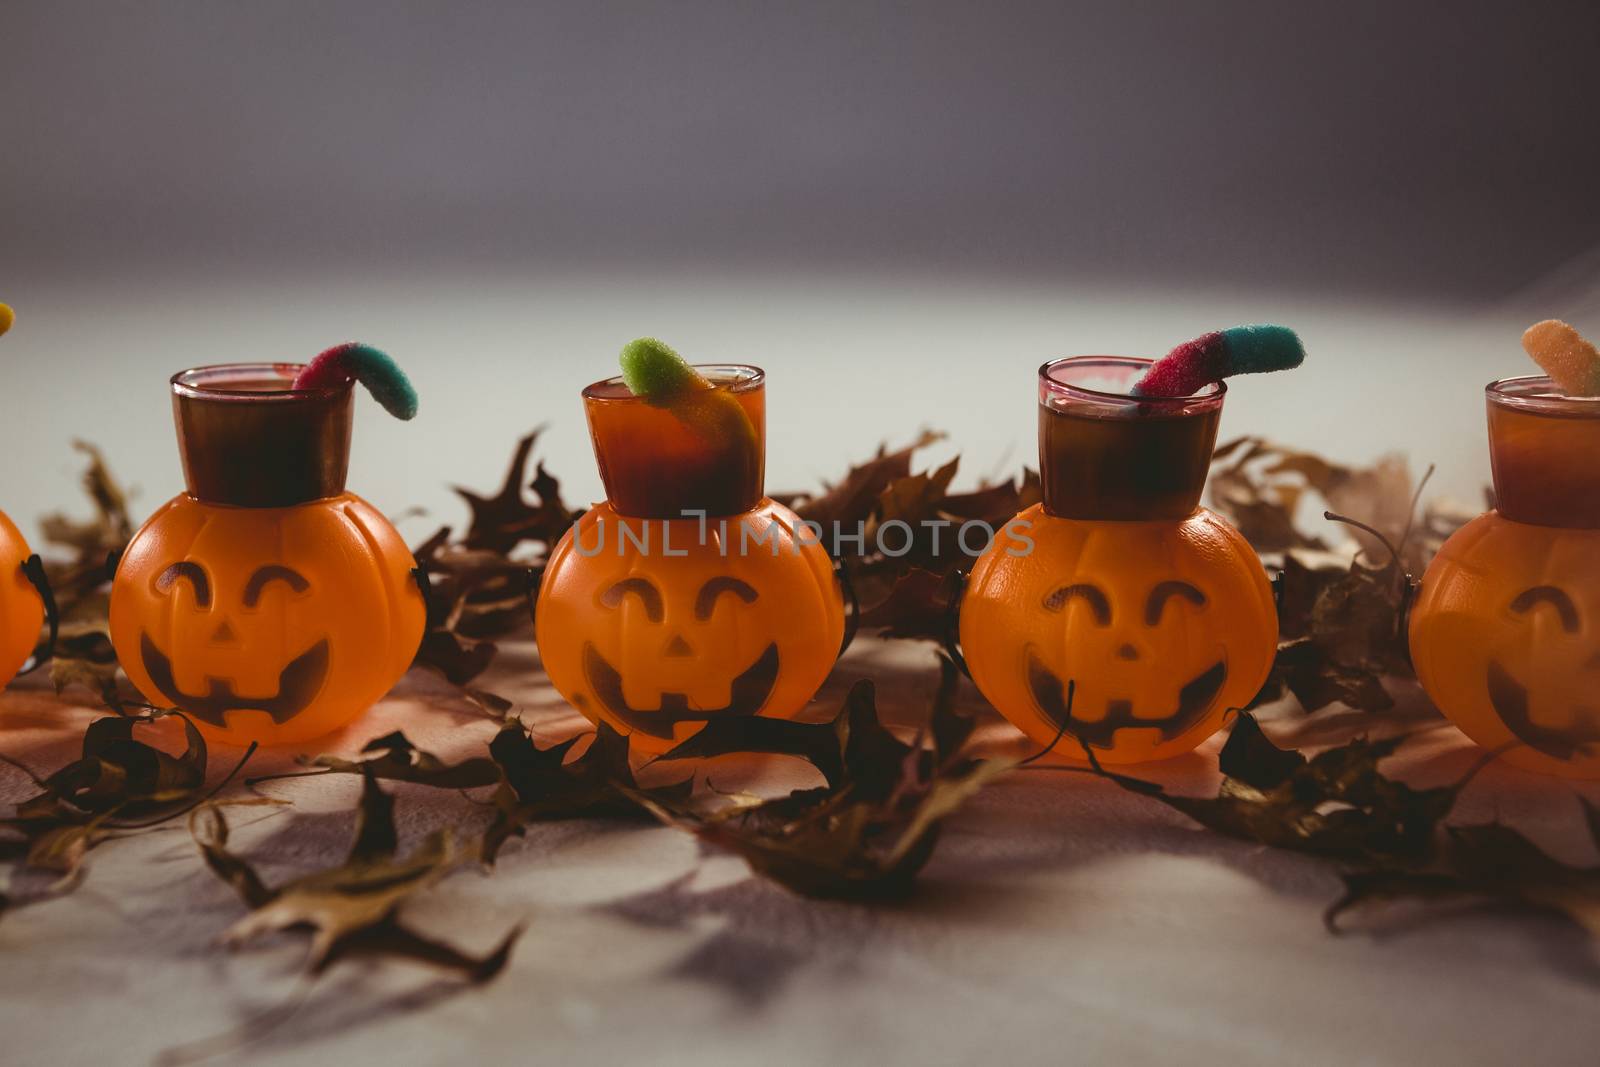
x=735 y=377
x=1538 y=394
x=208 y=383
x=1053 y=387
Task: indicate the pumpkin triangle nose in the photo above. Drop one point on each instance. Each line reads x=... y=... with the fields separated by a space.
x=678 y=647
x=224 y=634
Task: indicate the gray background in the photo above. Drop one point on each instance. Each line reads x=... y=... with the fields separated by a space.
x=899 y=209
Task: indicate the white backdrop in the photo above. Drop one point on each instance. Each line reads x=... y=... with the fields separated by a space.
x=853 y=360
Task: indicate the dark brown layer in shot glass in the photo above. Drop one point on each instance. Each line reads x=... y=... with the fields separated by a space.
x=1107 y=455
x=248 y=439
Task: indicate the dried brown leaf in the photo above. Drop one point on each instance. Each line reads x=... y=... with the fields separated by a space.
x=502 y=522
x=351 y=909
x=84 y=657
x=474 y=587
x=918 y=605
x=544 y=784
x=455 y=660
x=395 y=759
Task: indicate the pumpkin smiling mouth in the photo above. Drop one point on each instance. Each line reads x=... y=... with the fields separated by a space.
x=746 y=696
x=1510 y=700
x=298 y=685
x=1194 y=700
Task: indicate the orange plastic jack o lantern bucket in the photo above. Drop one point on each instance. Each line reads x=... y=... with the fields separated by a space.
x=266 y=602
x=1505 y=632
x=22 y=608
x=1153 y=613
x=687 y=595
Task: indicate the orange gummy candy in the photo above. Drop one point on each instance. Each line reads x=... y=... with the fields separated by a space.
x=1569 y=360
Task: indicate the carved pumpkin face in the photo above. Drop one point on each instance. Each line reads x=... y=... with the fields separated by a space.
x=274 y=625
x=657 y=643
x=1161 y=627
x=1505 y=637
x=21 y=610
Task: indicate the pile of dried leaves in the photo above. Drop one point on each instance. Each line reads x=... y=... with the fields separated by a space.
x=482 y=585
x=1341 y=621
x=865 y=833
x=909 y=594
x=531 y=784
x=80 y=580
x=117 y=786
x=1389 y=840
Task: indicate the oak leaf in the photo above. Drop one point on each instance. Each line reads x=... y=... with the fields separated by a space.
x=351 y=909
x=545 y=784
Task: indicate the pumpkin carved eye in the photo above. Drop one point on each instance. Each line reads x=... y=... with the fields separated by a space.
x=197 y=580
x=706 y=600
x=1098 y=604
x=1164 y=592
x=648 y=595
x=272 y=573
x=1529 y=599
